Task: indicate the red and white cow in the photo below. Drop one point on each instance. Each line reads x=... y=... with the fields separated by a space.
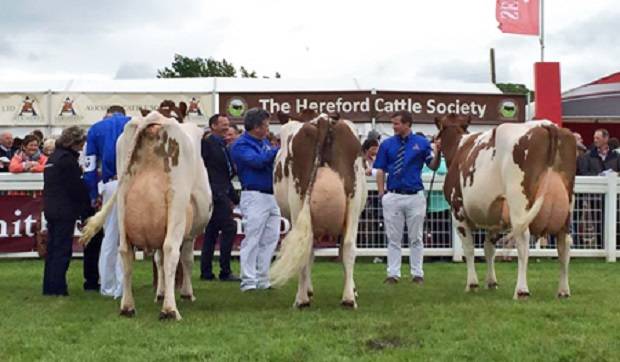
x=320 y=185
x=514 y=176
x=163 y=200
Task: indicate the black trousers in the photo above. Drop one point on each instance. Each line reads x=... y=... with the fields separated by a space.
x=221 y=221
x=91 y=262
x=59 y=250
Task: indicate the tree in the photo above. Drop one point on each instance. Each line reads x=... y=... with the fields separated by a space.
x=515 y=88
x=186 y=67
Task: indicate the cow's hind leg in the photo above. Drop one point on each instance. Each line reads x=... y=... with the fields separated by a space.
x=159 y=294
x=302 y=298
x=187 y=262
x=523 y=248
x=128 y=307
x=468 y=250
x=564 y=241
x=489 y=255
x=348 y=260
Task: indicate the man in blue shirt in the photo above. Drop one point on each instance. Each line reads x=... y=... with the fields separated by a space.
x=101 y=150
x=402 y=157
x=254 y=157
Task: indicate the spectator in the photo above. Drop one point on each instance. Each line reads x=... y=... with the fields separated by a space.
x=101 y=149
x=39 y=135
x=614 y=144
x=231 y=135
x=254 y=156
x=17 y=144
x=6 y=150
x=599 y=158
x=48 y=146
x=369 y=149
x=65 y=200
x=29 y=158
x=402 y=157
x=581 y=148
x=219 y=166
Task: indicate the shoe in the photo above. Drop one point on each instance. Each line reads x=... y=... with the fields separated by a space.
x=248 y=290
x=229 y=278
x=390 y=280
x=418 y=280
x=207 y=277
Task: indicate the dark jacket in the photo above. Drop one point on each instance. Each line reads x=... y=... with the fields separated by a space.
x=591 y=164
x=220 y=167
x=64 y=192
x=9 y=155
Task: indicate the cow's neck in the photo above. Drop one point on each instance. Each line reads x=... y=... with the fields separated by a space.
x=449 y=145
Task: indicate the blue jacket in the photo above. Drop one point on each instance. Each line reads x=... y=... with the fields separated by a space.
x=101 y=149
x=254 y=161
x=418 y=151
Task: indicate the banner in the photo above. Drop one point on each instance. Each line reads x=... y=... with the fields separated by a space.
x=23 y=109
x=85 y=109
x=518 y=16
x=362 y=106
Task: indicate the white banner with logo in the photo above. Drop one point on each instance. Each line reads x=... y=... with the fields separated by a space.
x=23 y=109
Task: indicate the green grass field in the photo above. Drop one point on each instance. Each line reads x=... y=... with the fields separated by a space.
x=437 y=321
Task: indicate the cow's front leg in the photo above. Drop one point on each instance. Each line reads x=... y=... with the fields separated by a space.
x=564 y=241
x=467 y=240
x=489 y=255
x=523 y=248
x=187 y=262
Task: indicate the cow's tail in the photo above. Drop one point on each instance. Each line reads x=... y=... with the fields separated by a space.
x=519 y=226
x=95 y=222
x=296 y=248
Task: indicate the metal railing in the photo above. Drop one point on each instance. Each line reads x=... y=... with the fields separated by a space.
x=595 y=222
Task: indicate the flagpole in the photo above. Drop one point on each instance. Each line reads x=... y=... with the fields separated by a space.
x=542 y=30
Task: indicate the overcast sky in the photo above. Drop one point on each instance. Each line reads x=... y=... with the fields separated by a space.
x=438 y=39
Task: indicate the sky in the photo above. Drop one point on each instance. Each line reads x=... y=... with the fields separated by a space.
x=445 y=40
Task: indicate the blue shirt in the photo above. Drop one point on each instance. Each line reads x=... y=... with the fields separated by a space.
x=101 y=148
x=418 y=151
x=254 y=161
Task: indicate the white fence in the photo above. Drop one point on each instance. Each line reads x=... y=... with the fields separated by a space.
x=595 y=222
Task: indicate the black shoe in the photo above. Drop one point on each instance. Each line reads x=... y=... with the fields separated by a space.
x=207 y=277
x=230 y=278
x=92 y=287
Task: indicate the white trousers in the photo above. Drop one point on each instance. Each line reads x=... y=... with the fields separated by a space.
x=110 y=267
x=261 y=221
x=398 y=209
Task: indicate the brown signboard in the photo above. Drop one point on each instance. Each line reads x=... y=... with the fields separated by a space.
x=362 y=106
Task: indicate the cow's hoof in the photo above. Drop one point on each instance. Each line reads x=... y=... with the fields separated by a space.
x=166 y=316
x=302 y=305
x=492 y=285
x=472 y=287
x=188 y=297
x=349 y=304
x=159 y=298
x=129 y=313
x=522 y=295
x=563 y=295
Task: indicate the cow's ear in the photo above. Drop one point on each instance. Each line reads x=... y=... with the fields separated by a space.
x=438 y=123
x=144 y=112
x=182 y=110
x=465 y=122
x=282 y=117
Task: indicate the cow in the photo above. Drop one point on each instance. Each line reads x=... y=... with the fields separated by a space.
x=163 y=199
x=515 y=176
x=320 y=185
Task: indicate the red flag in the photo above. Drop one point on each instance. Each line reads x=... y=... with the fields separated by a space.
x=518 y=16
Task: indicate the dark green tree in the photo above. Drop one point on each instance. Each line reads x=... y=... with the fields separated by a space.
x=186 y=67
x=515 y=88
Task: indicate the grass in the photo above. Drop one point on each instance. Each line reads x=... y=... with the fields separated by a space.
x=437 y=321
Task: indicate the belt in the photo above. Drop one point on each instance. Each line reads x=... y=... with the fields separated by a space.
x=404 y=192
x=268 y=192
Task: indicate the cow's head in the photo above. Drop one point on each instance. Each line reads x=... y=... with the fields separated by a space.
x=451 y=128
x=169 y=109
